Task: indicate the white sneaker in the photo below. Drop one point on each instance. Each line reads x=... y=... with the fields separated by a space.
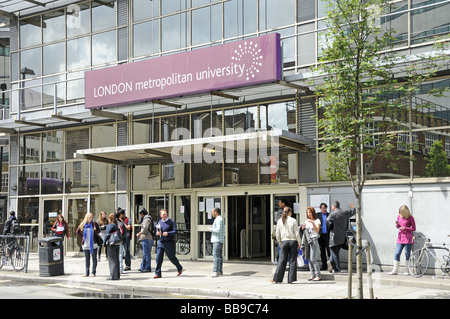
x=214 y=275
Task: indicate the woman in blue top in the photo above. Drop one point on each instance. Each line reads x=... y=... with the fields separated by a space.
x=87 y=231
x=166 y=229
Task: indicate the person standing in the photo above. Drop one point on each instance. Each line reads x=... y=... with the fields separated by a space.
x=127 y=233
x=324 y=235
x=289 y=238
x=113 y=250
x=146 y=239
x=217 y=239
x=60 y=227
x=166 y=229
x=312 y=226
x=119 y=221
x=102 y=222
x=338 y=225
x=406 y=225
x=12 y=225
x=86 y=231
x=282 y=203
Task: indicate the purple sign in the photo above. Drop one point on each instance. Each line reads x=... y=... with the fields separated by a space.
x=237 y=64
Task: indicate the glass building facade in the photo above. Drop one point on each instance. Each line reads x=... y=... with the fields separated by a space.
x=51 y=50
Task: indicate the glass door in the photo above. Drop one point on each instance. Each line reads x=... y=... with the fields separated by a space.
x=51 y=209
x=76 y=210
x=205 y=221
x=258 y=212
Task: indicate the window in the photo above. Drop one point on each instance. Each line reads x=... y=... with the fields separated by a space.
x=169 y=171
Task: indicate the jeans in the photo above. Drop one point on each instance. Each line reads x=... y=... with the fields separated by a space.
x=334 y=257
x=288 y=250
x=399 y=249
x=147 y=245
x=126 y=247
x=167 y=247
x=217 y=257
x=121 y=258
x=87 y=256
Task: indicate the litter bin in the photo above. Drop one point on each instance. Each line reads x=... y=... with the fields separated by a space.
x=51 y=256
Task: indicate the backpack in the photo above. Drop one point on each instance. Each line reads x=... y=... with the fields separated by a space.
x=14 y=227
x=152 y=227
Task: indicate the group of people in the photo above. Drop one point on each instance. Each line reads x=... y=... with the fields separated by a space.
x=324 y=234
x=320 y=235
x=97 y=234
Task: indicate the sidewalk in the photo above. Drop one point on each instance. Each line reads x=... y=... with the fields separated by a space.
x=242 y=279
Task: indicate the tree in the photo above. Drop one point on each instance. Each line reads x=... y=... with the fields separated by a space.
x=437 y=165
x=364 y=91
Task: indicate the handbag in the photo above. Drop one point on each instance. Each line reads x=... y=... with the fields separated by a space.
x=115 y=239
x=300 y=261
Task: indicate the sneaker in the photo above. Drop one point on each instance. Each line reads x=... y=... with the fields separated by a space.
x=317 y=279
x=215 y=274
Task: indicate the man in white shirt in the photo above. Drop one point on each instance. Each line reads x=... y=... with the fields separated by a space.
x=217 y=239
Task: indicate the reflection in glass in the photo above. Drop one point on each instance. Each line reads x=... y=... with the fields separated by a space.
x=30 y=32
x=78 y=20
x=53 y=23
x=78 y=53
x=146 y=131
x=146 y=38
x=103 y=135
x=174 y=32
x=76 y=210
x=306 y=51
x=104 y=48
x=30 y=59
x=103 y=177
x=52 y=179
x=29 y=180
x=29 y=148
x=429 y=23
x=103 y=15
x=397 y=22
x=146 y=177
x=53 y=146
x=28 y=216
x=76 y=140
x=75 y=87
x=54 y=58
x=78 y=174
x=48 y=96
x=285 y=13
x=31 y=94
x=144 y=9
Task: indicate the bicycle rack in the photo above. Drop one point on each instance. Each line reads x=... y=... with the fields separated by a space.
x=366 y=247
x=3 y=242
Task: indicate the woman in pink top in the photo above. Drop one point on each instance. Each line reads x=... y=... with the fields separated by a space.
x=406 y=225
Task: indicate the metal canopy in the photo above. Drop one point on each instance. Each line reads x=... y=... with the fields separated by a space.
x=263 y=143
x=68 y=115
x=13 y=8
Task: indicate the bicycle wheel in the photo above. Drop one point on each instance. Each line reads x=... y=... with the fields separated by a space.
x=418 y=263
x=18 y=257
x=182 y=246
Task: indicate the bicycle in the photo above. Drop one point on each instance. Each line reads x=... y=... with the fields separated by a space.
x=183 y=246
x=420 y=258
x=15 y=253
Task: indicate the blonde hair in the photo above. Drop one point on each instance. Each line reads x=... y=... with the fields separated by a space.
x=85 y=220
x=404 y=211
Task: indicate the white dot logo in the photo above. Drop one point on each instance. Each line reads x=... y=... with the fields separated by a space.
x=250 y=55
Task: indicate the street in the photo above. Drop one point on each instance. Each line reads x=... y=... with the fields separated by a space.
x=11 y=289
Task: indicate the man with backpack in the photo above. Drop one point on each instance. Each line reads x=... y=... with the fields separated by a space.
x=146 y=237
x=12 y=225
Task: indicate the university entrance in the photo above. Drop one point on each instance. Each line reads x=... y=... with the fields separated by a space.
x=249 y=226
